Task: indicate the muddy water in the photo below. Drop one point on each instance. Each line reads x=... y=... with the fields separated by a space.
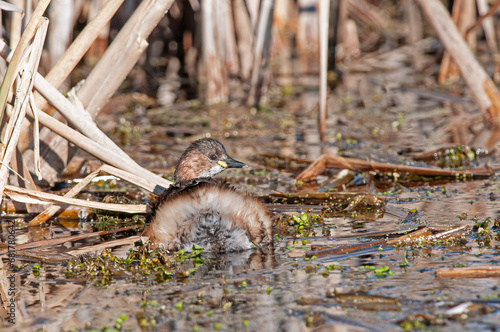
x=280 y=289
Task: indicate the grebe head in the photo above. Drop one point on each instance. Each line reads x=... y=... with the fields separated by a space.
x=204 y=158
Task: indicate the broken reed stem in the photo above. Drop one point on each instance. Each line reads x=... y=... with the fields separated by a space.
x=213 y=55
x=27 y=36
x=97 y=150
x=490 y=12
x=472 y=72
x=261 y=42
x=324 y=19
x=16 y=24
x=488 y=24
x=36 y=137
x=26 y=73
x=39 y=197
x=79 y=118
x=138 y=181
x=113 y=156
x=242 y=26
x=79 y=47
x=121 y=55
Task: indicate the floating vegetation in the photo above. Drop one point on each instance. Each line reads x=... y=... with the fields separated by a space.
x=379 y=272
x=304 y=225
x=104 y=222
x=459 y=156
x=142 y=263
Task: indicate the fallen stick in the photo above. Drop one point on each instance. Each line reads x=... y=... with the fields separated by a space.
x=469 y=272
x=38 y=197
x=52 y=242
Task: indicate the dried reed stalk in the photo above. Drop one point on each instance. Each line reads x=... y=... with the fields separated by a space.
x=39 y=197
x=307 y=37
x=253 y=12
x=448 y=71
x=488 y=25
x=121 y=55
x=27 y=36
x=261 y=52
x=281 y=51
x=368 y=14
x=324 y=19
x=79 y=47
x=26 y=73
x=80 y=119
x=60 y=30
x=226 y=31
x=243 y=28
x=413 y=17
x=485 y=92
x=97 y=150
x=16 y=25
x=213 y=55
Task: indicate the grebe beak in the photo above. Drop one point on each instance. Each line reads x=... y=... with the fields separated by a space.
x=230 y=163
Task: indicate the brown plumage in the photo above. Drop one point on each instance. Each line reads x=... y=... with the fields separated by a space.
x=200 y=210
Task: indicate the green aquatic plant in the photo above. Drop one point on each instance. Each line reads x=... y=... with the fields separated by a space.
x=381 y=272
x=141 y=263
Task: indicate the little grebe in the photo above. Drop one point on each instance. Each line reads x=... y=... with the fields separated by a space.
x=199 y=210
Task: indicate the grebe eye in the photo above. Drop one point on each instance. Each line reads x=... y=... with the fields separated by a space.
x=213 y=157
